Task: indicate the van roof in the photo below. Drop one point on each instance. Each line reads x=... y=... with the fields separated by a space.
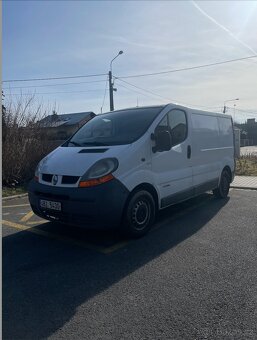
x=142 y=107
x=189 y=109
x=201 y=112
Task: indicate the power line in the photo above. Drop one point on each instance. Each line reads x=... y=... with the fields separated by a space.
x=35 y=94
x=251 y=113
x=135 y=91
x=131 y=76
x=247 y=111
x=60 y=84
x=186 y=68
x=170 y=100
x=55 y=78
x=140 y=88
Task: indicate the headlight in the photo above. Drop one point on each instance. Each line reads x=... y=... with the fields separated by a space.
x=99 y=173
x=101 y=168
x=37 y=171
x=39 y=168
x=36 y=177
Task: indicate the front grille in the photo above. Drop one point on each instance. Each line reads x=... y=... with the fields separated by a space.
x=69 y=179
x=65 y=179
x=47 y=177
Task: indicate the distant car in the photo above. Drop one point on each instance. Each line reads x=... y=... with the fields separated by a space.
x=122 y=166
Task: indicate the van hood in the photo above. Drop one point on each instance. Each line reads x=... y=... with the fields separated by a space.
x=75 y=161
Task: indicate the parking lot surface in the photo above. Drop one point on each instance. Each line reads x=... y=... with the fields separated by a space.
x=192 y=277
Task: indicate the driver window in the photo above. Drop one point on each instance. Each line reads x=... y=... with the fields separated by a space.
x=175 y=122
x=163 y=125
x=178 y=126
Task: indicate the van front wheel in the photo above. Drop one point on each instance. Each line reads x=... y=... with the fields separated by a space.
x=223 y=188
x=140 y=214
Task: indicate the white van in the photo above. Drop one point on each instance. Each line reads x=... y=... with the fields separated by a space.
x=122 y=166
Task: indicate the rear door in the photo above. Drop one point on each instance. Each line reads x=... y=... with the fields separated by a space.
x=173 y=169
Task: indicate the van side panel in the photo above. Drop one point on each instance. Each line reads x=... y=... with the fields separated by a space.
x=226 y=140
x=135 y=166
x=206 y=156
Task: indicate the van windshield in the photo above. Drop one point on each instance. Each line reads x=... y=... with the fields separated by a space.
x=115 y=128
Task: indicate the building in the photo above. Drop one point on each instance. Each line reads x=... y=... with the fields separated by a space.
x=61 y=127
x=248 y=132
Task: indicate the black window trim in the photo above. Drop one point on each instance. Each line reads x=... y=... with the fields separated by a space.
x=167 y=114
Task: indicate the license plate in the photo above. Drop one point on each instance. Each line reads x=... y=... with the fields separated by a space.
x=51 y=205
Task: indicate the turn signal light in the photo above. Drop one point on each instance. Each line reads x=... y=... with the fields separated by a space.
x=96 y=181
x=36 y=178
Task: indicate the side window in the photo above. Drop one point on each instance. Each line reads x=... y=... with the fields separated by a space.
x=163 y=125
x=178 y=126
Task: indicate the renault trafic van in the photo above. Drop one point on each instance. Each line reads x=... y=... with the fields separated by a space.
x=121 y=167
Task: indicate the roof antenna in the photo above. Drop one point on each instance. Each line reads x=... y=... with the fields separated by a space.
x=137 y=101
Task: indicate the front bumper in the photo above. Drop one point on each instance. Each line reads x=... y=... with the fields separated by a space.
x=100 y=206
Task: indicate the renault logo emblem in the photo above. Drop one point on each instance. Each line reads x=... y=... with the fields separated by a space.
x=55 y=179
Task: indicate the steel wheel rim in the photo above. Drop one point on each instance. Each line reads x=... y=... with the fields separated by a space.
x=141 y=214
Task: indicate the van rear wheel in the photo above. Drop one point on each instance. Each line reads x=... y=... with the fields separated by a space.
x=223 y=188
x=139 y=215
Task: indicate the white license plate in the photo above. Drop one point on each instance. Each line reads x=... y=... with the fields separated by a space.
x=51 y=205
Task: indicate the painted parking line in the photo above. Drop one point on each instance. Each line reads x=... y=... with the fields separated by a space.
x=27 y=217
x=14 y=225
x=37 y=222
x=115 y=247
x=103 y=250
x=16 y=205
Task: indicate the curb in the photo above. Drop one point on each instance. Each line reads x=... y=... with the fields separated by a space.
x=240 y=187
x=14 y=196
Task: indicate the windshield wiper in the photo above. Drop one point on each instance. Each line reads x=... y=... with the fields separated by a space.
x=74 y=143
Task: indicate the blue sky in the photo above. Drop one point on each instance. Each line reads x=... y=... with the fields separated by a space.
x=65 y=38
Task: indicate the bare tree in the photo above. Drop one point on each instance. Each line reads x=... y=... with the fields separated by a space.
x=24 y=142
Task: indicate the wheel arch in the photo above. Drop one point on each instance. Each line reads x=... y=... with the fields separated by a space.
x=227 y=168
x=147 y=187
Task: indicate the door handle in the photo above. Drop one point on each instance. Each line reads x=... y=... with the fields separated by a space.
x=188 y=151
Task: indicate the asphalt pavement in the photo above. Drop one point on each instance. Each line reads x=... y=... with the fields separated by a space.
x=192 y=277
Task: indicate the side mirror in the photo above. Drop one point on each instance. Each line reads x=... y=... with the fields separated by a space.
x=163 y=141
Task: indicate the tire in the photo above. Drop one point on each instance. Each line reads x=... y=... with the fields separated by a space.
x=223 y=188
x=139 y=214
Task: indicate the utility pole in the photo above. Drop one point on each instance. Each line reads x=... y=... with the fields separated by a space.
x=111 y=91
x=229 y=100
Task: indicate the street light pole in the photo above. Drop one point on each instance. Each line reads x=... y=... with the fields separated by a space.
x=111 y=89
x=230 y=100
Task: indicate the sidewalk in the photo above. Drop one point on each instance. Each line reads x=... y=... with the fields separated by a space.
x=244 y=182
